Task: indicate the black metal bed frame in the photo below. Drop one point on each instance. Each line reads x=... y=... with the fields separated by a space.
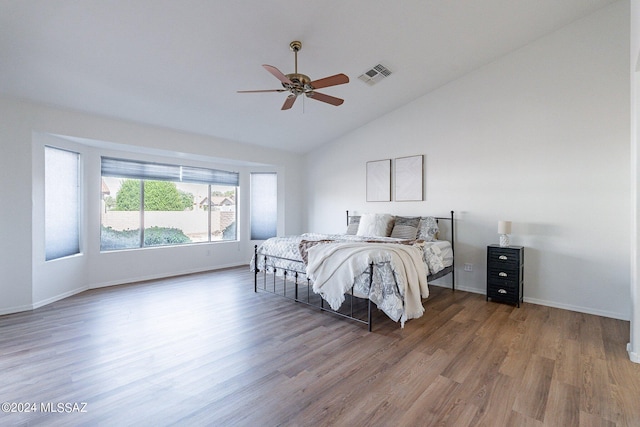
x=280 y=284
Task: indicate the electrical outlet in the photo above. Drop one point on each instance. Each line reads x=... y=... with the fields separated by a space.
x=468 y=267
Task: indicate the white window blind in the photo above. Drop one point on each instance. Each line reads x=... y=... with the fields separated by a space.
x=165 y=172
x=61 y=203
x=264 y=205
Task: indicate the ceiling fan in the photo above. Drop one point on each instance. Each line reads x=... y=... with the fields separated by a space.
x=297 y=84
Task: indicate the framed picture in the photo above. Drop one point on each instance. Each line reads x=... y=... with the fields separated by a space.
x=408 y=178
x=379 y=181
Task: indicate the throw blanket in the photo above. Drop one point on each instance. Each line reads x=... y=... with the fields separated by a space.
x=333 y=268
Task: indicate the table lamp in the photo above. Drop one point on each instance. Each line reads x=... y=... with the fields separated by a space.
x=504 y=229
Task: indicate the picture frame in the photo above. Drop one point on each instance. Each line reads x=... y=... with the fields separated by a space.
x=379 y=181
x=409 y=182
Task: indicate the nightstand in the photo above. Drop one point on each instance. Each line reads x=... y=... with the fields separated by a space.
x=505 y=266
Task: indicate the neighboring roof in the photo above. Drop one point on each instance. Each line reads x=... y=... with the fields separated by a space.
x=105 y=188
x=218 y=201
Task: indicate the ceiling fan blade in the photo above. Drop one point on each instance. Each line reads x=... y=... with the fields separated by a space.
x=288 y=103
x=277 y=73
x=259 y=91
x=325 y=98
x=338 y=79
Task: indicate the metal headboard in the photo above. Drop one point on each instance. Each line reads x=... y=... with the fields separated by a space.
x=438 y=219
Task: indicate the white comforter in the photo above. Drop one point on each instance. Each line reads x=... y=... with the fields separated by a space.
x=332 y=268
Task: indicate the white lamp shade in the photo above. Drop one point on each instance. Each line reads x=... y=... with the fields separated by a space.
x=504 y=227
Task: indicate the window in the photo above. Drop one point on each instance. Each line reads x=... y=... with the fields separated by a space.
x=61 y=203
x=153 y=204
x=264 y=205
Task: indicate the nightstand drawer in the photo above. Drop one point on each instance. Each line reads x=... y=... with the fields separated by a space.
x=504 y=275
x=507 y=293
x=504 y=257
x=496 y=285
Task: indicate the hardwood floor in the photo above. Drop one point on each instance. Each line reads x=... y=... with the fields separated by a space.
x=204 y=349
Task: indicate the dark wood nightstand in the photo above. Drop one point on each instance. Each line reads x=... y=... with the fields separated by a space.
x=505 y=267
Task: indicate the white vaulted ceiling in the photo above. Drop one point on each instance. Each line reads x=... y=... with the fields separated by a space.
x=178 y=64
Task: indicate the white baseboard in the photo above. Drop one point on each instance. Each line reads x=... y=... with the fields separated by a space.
x=586 y=310
x=42 y=303
x=458 y=288
x=18 y=309
x=633 y=356
x=58 y=297
x=163 y=276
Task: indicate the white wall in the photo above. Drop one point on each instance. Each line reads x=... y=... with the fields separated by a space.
x=539 y=137
x=27 y=281
x=634 y=344
x=15 y=215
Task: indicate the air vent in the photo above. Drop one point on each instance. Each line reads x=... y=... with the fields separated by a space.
x=375 y=74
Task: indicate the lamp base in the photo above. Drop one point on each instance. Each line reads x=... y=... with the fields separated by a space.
x=504 y=240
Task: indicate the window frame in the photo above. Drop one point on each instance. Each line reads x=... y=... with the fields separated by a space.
x=153 y=171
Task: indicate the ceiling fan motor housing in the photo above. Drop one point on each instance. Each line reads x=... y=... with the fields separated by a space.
x=301 y=83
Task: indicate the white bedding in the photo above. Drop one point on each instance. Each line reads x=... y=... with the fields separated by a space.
x=446 y=251
x=286 y=248
x=333 y=268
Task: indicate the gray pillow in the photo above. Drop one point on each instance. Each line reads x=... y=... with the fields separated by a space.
x=405 y=227
x=428 y=229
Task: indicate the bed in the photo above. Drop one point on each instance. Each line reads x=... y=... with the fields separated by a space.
x=381 y=260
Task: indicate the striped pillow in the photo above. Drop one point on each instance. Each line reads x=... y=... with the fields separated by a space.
x=405 y=227
x=352 y=228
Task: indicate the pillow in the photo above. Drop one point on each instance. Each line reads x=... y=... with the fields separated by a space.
x=428 y=230
x=375 y=225
x=405 y=227
x=352 y=228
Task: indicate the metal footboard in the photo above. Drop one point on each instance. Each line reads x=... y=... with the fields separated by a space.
x=293 y=284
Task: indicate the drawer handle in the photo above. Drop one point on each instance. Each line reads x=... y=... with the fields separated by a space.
x=503 y=257
x=502 y=291
x=502 y=274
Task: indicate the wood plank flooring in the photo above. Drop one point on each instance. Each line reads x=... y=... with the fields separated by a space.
x=204 y=349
